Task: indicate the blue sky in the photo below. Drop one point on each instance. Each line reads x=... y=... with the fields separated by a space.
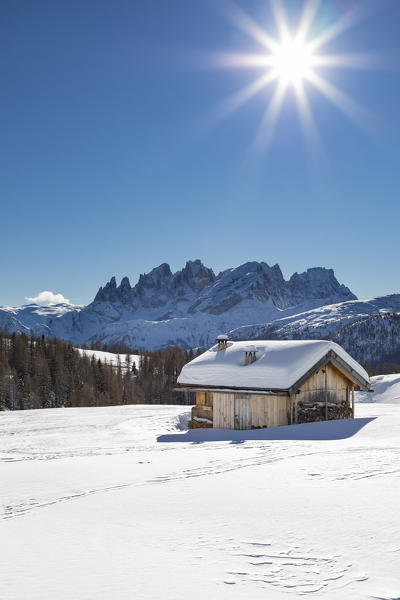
x=110 y=164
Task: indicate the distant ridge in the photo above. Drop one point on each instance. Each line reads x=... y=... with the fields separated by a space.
x=190 y=307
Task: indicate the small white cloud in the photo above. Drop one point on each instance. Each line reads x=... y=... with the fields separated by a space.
x=47 y=298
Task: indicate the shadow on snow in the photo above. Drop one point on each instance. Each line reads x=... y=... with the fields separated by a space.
x=323 y=430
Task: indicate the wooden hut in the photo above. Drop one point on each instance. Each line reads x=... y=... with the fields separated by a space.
x=245 y=385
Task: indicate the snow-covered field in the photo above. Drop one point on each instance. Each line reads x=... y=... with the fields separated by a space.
x=124 y=503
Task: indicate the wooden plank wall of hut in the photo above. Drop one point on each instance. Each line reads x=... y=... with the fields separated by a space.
x=246 y=411
x=269 y=411
x=333 y=381
x=223 y=411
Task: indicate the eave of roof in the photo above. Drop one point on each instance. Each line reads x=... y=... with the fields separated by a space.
x=187 y=387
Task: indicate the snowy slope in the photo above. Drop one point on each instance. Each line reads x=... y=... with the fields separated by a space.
x=319 y=322
x=368 y=329
x=33 y=318
x=111 y=358
x=386 y=390
x=121 y=503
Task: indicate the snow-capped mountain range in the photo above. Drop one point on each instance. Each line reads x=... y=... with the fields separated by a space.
x=192 y=306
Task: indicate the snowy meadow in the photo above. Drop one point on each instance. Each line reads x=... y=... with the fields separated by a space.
x=125 y=502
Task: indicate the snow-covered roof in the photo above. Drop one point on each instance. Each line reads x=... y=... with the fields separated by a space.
x=279 y=364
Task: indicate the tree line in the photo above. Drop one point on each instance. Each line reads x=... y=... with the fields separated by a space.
x=382 y=368
x=39 y=372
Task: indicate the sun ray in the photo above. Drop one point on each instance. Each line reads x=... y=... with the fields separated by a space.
x=307 y=122
x=281 y=20
x=237 y=99
x=341 y=100
x=309 y=11
x=268 y=123
x=365 y=60
x=306 y=117
x=351 y=60
x=243 y=60
x=242 y=21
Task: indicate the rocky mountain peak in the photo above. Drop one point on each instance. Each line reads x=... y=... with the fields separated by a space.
x=125 y=291
x=154 y=289
x=195 y=288
x=108 y=293
x=195 y=275
x=317 y=283
x=125 y=284
x=254 y=281
x=155 y=277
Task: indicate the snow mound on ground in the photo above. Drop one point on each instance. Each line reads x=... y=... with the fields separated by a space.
x=183 y=421
x=386 y=390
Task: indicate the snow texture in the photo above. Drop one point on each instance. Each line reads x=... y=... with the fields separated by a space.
x=123 y=503
x=279 y=364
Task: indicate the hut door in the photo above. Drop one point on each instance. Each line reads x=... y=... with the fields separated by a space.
x=242 y=411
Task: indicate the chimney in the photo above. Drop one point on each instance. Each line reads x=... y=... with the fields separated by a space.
x=250 y=355
x=222 y=341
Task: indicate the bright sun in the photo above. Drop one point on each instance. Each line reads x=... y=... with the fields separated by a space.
x=291 y=61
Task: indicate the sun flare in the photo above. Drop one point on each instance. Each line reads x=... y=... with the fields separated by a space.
x=292 y=60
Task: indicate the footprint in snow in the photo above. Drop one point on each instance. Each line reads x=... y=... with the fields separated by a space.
x=294 y=569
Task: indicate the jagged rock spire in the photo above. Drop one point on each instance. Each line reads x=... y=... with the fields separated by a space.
x=196 y=287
